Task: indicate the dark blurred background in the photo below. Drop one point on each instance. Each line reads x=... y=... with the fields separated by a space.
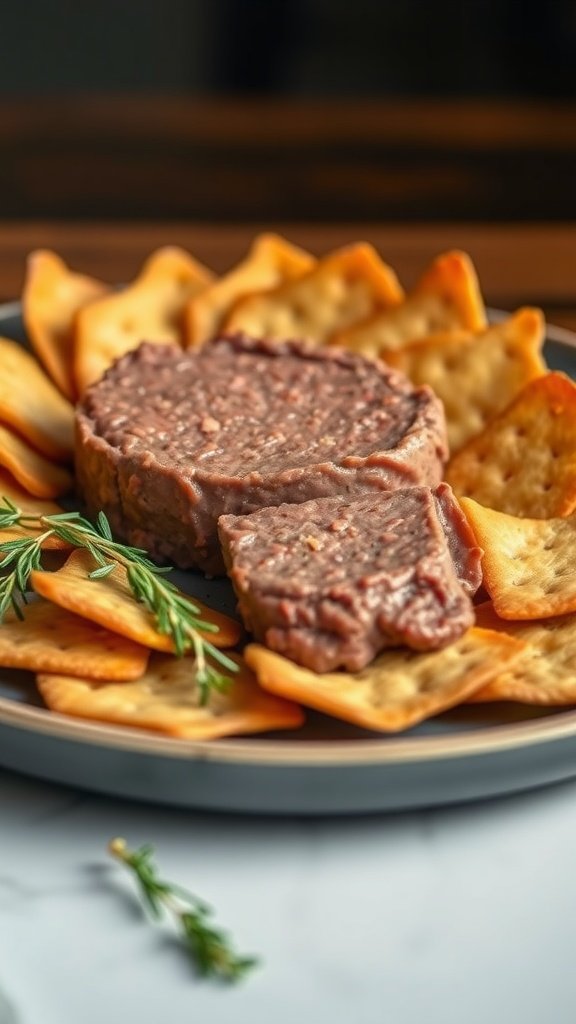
x=286 y=110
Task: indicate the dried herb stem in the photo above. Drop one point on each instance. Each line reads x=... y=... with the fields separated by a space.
x=209 y=947
x=175 y=615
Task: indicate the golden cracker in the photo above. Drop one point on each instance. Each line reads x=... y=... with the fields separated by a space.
x=342 y=288
x=166 y=700
x=9 y=488
x=49 y=639
x=397 y=690
x=524 y=462
x=528 y=564
x=39 y=476
x=270 y=262
x=110 y=603
x=545 y=672
x=52 y=297
x=476 y=375
x=150 y=309
x=446 y=298
x=32 y=405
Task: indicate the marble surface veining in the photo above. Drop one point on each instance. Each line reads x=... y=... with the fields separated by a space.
x=466 y=914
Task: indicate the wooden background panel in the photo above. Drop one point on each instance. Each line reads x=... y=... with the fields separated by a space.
x=478 y=125
x=245 y=160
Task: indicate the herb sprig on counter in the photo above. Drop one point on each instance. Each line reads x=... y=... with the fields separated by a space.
x=175 y=615
x=208 y=947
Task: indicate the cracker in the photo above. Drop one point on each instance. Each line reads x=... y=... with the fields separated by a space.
x=476 y=376
x=545 y=672
x=528 y=564
x=36 y=474
x=49 y=639
x=166 y=700
x=271 y=261
x=110 y=603
x=52 y=296
x=446 y=298
x=398 y=689
x=150 y=309
x=32 y=404
x=9 y=488
x=524 y=462
x=342 y=288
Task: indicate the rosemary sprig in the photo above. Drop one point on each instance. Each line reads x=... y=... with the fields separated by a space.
x=209 y=948
x=175 y=616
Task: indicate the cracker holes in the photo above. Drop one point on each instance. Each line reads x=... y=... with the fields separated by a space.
x=433 y=325
x=426 y=683
x=450 y=363
x=464 y=650
x=299 y=308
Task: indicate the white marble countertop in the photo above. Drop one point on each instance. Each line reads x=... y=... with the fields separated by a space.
x=455 y=916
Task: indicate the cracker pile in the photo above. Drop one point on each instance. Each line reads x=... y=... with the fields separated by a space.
x=96 y=652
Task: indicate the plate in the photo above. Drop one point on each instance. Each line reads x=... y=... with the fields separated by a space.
x=328 y=767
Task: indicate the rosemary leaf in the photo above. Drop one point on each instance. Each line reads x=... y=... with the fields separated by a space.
x=209 y=948
x=98 y=558
x=104 y=526
x=103 y=571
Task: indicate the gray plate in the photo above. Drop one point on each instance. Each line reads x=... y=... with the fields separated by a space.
x=327 y=767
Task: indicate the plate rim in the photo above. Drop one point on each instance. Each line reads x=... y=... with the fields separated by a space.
x=384 y=749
